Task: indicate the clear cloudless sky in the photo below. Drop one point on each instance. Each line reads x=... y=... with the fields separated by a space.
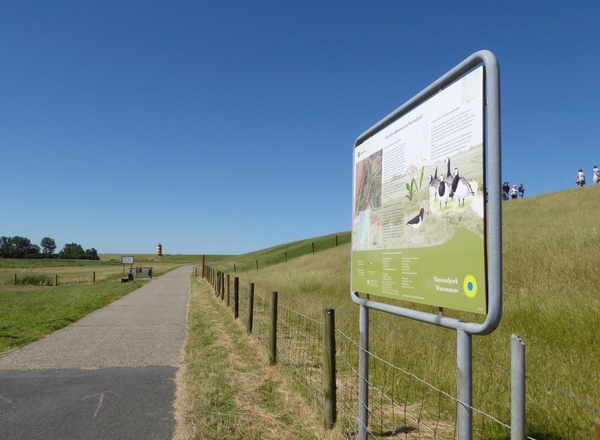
x=224 y=127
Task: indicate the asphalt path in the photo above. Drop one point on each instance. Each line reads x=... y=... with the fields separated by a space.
x=108 y=376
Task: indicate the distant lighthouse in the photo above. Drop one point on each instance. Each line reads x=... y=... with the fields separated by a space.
x=159 y=250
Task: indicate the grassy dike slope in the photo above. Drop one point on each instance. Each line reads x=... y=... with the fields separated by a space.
x=551 y=299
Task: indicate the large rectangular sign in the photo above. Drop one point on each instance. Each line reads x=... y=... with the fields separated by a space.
x=418 y=231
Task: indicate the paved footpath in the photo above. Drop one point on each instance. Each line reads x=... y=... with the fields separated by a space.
x=108 y=376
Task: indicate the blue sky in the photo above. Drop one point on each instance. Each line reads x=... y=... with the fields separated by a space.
x=227 y=126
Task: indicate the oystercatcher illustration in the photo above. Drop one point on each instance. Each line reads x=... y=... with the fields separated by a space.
x=461 y=187
x=417 y=221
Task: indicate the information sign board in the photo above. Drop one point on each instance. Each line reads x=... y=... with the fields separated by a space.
x=128 y=260
x=419 y=203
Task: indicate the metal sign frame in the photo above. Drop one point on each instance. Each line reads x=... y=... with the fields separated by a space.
x=493 y=250
x=493 y=236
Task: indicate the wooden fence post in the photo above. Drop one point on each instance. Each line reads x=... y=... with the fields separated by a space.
x=273 y=330
x=597 y=428
x=222 y=284
x=250 y=306
x=329 y=385
x=56 y=280
x=203 y=261
x=227 y=290
x=313 y=247
x=94 y=279
x=236 y=298
x=15 y=279
x=256 y=264
x=336 y=241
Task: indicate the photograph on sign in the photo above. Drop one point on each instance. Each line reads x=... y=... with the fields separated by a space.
x=419 y=197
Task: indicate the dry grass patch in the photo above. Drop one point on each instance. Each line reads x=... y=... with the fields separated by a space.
x=226 y=389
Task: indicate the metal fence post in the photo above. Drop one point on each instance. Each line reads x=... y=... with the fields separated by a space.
x=329 y=384
x=464 y=411
x=363 y=373
x=273 y=329
x=250 y=306
x=236 y=298
x=517 y=388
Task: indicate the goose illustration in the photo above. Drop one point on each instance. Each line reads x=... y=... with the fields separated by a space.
x=433 y=186
x=461 y=188
x=433 y=183
x=443 y=191
x=449 y=178
x=417 y=221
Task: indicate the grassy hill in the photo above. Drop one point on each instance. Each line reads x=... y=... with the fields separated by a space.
x=551 y=299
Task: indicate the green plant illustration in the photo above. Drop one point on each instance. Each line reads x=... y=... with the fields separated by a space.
x=412 y=189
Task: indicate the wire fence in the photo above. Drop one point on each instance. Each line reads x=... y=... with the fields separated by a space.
x=400 y=403
x=289 y=252
x=47 y=279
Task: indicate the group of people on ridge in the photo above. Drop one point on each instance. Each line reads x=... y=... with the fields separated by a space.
x=512 y=193
x=580 y=177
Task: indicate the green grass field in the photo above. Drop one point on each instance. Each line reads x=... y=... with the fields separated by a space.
x=551 y=299
x=551 y=288
x=35 y=306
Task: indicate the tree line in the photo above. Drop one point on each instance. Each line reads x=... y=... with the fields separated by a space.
x=22 y=247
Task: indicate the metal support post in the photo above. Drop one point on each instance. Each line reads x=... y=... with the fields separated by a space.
x=517 y=389
x=363 y=372
x=464 y=412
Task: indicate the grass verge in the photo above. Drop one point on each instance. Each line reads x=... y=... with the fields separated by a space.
x=29 y=314
x=226 y=389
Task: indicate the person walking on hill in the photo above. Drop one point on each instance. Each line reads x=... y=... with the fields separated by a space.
x=580 y=178
x=521 y=191
x=596 y=174
x=505 y=190
x=513 y=192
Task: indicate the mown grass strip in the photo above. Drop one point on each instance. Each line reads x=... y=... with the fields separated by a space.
x=226 y=389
